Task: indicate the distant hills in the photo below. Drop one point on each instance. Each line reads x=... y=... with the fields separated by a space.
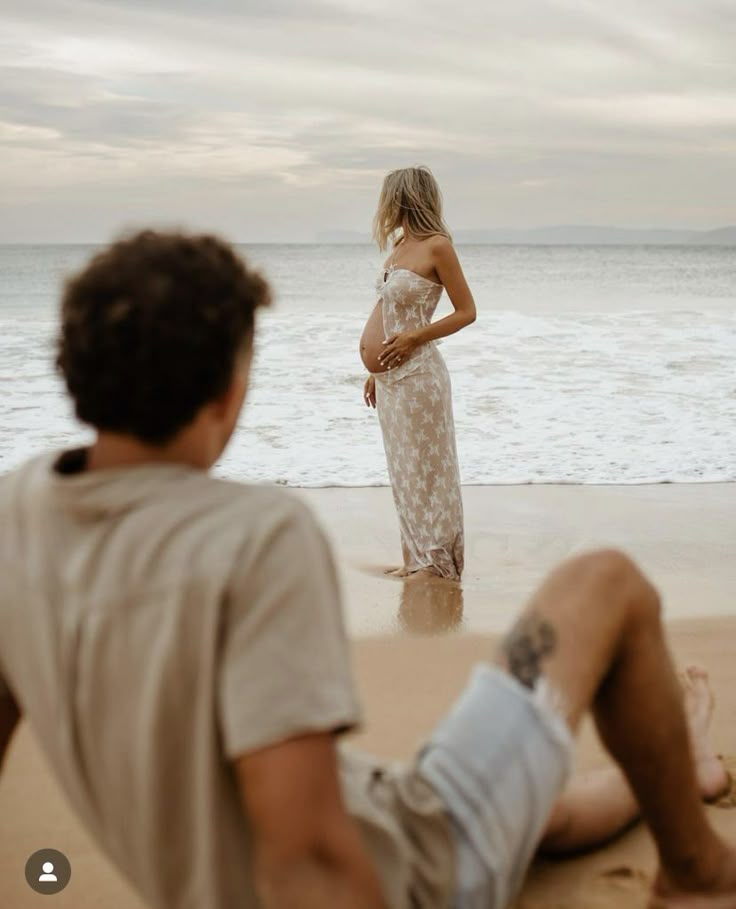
x=570 y=235
x=724 y=236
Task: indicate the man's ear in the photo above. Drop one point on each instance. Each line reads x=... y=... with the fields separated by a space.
x=233 y=395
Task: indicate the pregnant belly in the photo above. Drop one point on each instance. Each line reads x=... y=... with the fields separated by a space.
x=371 y=342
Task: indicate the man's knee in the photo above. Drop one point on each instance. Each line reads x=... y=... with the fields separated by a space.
x=617 y=578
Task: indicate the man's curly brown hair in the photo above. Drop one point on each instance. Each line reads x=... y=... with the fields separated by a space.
x=151 y=331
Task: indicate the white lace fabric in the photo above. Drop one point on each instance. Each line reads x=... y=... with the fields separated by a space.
x=414 y=402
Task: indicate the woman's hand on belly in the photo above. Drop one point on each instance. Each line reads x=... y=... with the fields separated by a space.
x=369 y=355
x=398 y=348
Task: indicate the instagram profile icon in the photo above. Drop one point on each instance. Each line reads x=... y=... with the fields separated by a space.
x=48 y=871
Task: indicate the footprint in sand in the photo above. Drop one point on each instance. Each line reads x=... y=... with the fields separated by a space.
x=625 y=885
x=621 y=886
x=626 y=873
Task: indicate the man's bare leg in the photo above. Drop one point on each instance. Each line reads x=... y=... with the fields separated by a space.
x=599 y=805
x=593 y=630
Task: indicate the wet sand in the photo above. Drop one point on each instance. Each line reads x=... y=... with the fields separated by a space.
x=683 y=536
x=413 y=647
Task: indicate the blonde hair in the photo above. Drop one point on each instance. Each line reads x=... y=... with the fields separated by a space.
x=410 y=203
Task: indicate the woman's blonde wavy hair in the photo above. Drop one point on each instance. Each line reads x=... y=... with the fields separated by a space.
x=411 y=203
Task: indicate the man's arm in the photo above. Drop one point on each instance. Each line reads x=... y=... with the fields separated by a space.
x=308 y=850
x=9 y=717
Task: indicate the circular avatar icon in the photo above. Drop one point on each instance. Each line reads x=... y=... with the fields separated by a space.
x=48 y=871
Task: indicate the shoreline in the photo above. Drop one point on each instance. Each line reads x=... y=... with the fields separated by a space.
x=679 y=533
x=505 y=485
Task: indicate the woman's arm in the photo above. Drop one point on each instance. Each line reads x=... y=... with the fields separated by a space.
x=450 y=273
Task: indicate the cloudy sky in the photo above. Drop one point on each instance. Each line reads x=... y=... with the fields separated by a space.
x=276 y=119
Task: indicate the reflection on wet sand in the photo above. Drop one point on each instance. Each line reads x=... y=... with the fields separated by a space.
x=430 y=605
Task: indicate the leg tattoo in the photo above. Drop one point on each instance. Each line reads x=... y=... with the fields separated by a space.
x=529 y=642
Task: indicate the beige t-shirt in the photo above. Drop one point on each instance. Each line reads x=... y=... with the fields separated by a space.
x=158 y=623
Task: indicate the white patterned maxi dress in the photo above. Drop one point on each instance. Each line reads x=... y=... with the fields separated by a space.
x=414 y=403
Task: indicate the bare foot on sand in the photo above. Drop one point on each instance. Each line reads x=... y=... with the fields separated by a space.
x=400 y=572
x=698 y=700
x=424 y=574
x=421 y=574
x=720 y=893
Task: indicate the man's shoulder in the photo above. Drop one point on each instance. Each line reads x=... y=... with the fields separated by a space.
x=255 y=512
x=260 y=500
x=30 y=465
x=183 y=493
x=24 y=473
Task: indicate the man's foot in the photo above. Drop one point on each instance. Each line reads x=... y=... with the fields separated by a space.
x=719 y=893
x=692 y=901
x=698 y=700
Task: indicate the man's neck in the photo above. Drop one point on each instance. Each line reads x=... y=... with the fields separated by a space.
x=111 y=450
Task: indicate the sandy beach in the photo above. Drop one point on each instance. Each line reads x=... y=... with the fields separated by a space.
x=681 y=534
x=413 y=646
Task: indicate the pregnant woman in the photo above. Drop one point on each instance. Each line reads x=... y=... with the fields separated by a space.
x=408 y=382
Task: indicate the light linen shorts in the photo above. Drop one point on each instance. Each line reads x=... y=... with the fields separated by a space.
x=498 y=760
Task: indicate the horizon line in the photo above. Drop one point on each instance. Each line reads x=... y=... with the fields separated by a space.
x=326 y=237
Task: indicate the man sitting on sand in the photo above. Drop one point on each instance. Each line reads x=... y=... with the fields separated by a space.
x=176 y=643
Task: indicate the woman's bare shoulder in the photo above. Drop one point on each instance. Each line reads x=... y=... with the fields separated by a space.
x=439 y=243
x=440 y=248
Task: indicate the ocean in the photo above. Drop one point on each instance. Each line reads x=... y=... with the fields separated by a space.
x=586 y=365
